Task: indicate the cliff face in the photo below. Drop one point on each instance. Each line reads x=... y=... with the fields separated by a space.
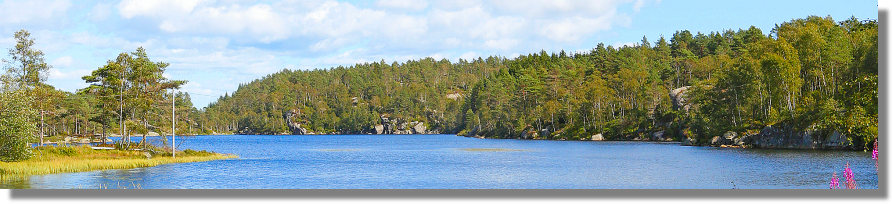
x=400 y=127
x=385 y=126
x=777 y=136
x=786 y=137
x=679 y=100
x=294 y=126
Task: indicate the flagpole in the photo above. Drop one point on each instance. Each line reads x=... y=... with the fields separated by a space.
x=174 y=123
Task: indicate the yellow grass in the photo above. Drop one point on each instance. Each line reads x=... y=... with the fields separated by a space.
x=51 y=160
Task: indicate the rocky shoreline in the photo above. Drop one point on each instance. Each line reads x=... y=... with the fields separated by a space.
x=769 y=138
x=775 y=136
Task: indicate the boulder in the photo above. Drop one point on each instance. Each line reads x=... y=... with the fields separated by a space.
x=730 y=135
x=401 y=127
x=689 y=141
x=716 y=140
x=419 y=128
x=658 y=136
x=742 y=140
x=727 y=138
x=719 y=141
x=597 y=137
x=379 y=129
x=545 y=132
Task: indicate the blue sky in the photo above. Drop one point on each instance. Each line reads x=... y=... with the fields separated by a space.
x=218 y=44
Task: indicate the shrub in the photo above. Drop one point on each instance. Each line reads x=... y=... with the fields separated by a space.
x=17 y=126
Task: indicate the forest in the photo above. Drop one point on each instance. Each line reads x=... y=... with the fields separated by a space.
x=805 y=73
x=811 y=73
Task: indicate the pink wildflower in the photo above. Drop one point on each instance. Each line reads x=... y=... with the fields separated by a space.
x=874 y=156
x=850 y=178
x=835 y=182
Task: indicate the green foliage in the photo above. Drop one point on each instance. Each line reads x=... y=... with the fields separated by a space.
x=17 y=126
x=26 y=67
x=352 y=99
x=814 y=71
x=60 y=151
x=131 y=91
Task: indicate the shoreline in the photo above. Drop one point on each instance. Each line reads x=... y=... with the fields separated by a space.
x=480 y=137
x=54 y=160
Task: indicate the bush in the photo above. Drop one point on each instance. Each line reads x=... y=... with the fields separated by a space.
x=59 y=150
x=125 y=145
x=17 y=126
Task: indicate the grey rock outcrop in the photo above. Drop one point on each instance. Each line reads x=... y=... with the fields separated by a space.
x=419 y=128
x=401 y=127
x=597 y=137
x=379 y=129
x=293 y=123
x=742 y=140
x=727 y=138
x=786 y=137
x=528 y=134
x=545 y=132
x=659 y=136
x=689 y=141
x=837 y=141
x=678 y=97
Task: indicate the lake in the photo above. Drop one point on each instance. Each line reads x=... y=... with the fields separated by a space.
x=452 y=162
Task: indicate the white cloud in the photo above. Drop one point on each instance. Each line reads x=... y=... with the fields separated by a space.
x=624 y=44
x=62 y=61
x=258 y=21
x=638 y=5
x=218 y=44
x=100 y=11
x=500 y=44
x=469 y=56
x=403 y=4
x=65 y=74
x=15 y=12
x=132 y=8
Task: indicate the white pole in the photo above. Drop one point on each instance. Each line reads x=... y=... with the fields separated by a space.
x=174 y=123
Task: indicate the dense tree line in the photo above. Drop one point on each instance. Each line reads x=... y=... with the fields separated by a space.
x=350 y=99
x=812 y=72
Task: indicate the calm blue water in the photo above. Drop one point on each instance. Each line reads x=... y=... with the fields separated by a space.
x=439 y=161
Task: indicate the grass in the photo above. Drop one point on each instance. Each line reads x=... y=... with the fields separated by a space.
x=66 y=159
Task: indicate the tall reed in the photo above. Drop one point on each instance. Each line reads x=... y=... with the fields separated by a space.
x=51 y=160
